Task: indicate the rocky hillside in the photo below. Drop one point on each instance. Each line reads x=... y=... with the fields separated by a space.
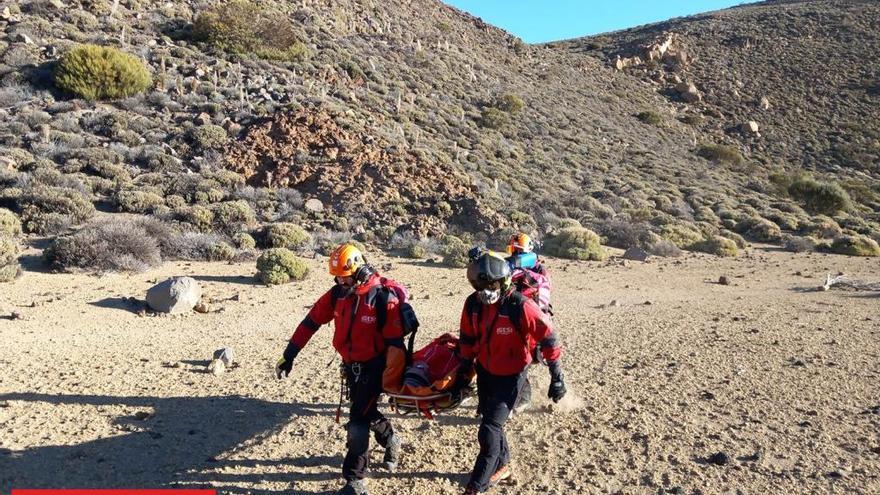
x=804 y=71
x=408 y=118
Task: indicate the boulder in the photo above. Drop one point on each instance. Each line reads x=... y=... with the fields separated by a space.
x=688 y=92
x=635 y=254
x=314 y=205
x=175 y=295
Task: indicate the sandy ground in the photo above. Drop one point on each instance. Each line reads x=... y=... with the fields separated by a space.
x=782 y=380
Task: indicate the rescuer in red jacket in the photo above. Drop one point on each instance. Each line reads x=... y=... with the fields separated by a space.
x=500 y=329
x=371 y=356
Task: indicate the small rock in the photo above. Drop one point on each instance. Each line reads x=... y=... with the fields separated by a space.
x=314 y=205
x=175 y=295
x=722 y=280
x=719 y=459
x=226 y=355
x=203 y=119
x=202 y=308
x=386 y=267
x=16 y=316
x=23 y=38
x=216 y=367
x=142 y=415
x=613 y=303
x=751 y=127
x=5 y=14
x=7 y=163
x=765 y=103
x=648 y=303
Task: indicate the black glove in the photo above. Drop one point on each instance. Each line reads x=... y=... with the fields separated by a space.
x=557 y=382
x=285 y=365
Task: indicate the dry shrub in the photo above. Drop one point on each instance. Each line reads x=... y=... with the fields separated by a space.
x=124 y=245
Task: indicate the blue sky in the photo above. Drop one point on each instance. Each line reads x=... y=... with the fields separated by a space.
x=537 y=21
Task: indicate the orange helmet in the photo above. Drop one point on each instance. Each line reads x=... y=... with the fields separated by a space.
x=520 y=243
x=345 y=261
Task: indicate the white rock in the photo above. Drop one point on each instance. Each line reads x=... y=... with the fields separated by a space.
x=750 y=127
x=175 y=295
x=315 y=205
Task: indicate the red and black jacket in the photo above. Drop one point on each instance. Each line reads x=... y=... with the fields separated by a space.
x=503 y=336
x=357 y=337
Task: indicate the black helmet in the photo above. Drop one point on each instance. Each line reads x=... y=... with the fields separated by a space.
x=487 y=269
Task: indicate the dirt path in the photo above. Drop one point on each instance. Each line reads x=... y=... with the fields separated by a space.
x=783 y=381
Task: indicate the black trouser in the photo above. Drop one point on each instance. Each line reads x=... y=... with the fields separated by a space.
x=497 y=396
x=365 y=386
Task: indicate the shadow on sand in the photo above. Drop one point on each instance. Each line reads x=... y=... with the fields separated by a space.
x=165 y=449
x=174 y=445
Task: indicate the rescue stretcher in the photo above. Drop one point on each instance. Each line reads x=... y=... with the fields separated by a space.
x=429 y=383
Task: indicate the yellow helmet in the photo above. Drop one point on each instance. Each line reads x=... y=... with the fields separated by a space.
x=346 y=260
x=520 y=243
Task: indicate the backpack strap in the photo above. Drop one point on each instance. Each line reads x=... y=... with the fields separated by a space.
x=513 y=307
x=382 y=318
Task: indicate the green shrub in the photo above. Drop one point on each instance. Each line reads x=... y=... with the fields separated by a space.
x=8 y=250
x=719 y=246
x=822 y=227
x=136 y=201
x=279 y=265
x=509 y=103
x=785 y=221
x=416 y=251
x=720 y=153
x=98 y=73
x=855 y=245
x=221 y=252
x=175 y=202
x=113 y=245
x=733 y=236
x=759 y=229
x=650 y=117
x=454 y=251
x=198 y=216
x=575 y=243
x=683 y=236
x=208 y=137
x=243 y=27
x=10 y=225
x=286 y=235
x=492 y=118
x=819 y=197
x=232 y=217
x=46 y=209
x=244 y=241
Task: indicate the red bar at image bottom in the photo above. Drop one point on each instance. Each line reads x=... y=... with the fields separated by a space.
x=102 y=491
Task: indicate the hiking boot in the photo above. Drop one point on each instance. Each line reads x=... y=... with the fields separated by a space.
x=502 y=474
x=354 y=487
x=392 y=453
